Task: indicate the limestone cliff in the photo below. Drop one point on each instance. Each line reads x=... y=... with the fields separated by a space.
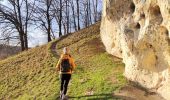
x=139 y=32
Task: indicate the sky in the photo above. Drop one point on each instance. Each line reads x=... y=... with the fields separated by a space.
x=40 y=38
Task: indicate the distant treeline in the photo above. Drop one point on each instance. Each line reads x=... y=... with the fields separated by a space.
x=6 y=51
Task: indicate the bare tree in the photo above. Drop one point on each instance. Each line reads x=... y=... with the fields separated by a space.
x=49 y=18
x=26 y=24
x=90 y=11
x=78 y=14
x=95 y=5
x=86 y=13
x=67 y=15
x=90 y=14
x=60 y=19
x=74 y=17
x=16 y=19
x=43 y=16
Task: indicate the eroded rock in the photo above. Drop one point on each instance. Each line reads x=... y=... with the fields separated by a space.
x=139 y=32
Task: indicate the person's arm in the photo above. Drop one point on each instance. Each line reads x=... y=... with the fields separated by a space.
x=58 y=65
x=73 y=64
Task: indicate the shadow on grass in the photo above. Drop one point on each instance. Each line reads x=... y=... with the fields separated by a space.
x=101 y=97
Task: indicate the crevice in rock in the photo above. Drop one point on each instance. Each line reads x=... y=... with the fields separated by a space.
x=121 y=51
x=150 y=46
x=168 y=40
x=137 y=26
x=142 y=15
x=164 y=31
x=156 y=57
x=167 y=33
x=132 y=7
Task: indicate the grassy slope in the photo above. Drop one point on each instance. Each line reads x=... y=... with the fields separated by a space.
x=32 y=75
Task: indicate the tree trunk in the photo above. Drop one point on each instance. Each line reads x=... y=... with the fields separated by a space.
x=67 y=15
x=49 y=27
x=90 y=19
x=87 y=14
x=21 y=31
x=26 y=41
x=78 y=14
x=48 y=21
x=95 y=10
x=49 y=36
x=26 y=26
x=96 y=14
x=65 y=28
x=22 y=41
x=60 y=20
x=74 y=17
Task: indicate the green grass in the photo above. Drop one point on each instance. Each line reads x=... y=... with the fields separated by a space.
x=28 y=75
x=96 y=78
x=32 y=75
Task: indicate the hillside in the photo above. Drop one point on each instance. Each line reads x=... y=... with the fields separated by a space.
x=31 y=75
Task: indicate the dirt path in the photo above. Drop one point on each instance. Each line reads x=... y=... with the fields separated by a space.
x=133 y=93
x=54 y=49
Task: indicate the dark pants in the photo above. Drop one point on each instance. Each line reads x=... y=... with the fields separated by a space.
x=65 y=78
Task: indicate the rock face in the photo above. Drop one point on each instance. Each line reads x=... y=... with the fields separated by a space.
x=139 y=32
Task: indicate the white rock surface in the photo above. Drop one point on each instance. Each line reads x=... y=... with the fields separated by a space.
x=139 y=32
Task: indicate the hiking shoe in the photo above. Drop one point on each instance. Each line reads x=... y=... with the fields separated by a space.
x=63 y=97
x=61 y=94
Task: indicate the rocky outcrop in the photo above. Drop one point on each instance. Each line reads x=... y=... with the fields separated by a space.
x=139 y=32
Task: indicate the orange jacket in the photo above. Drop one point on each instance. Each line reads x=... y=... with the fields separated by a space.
x=71 y=61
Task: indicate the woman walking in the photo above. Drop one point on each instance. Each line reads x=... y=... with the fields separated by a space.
x=65 y=66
